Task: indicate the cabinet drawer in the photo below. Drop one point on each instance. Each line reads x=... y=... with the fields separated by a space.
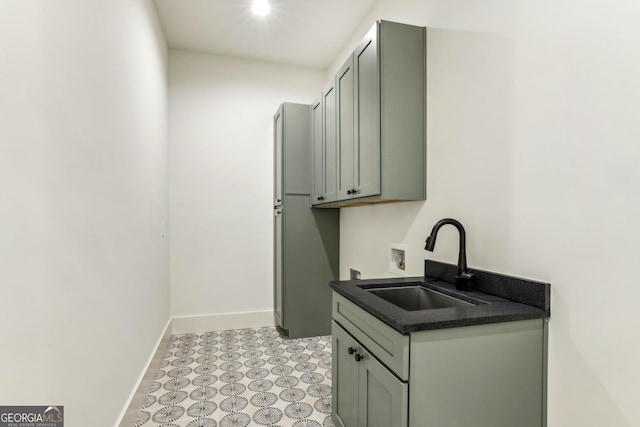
x=388 y=345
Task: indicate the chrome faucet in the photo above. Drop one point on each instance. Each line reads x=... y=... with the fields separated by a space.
x=463 y=277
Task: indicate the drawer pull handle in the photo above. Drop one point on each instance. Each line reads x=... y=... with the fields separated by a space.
x=351 y=350
x=359 y=357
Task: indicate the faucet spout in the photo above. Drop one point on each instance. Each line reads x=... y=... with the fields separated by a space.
x=463 y=277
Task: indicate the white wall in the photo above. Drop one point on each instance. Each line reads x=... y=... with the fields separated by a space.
x=533 y=144
x=83 y=183
x=221 y=184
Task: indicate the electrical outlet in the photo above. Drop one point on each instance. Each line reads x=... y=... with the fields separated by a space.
x=354 y=274
x=163 y=229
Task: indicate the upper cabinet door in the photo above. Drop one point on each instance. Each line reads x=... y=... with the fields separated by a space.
x=330 y=143
x=367 y=107
x=345 y=129
x=278 y=144
x=297 y=159
x=317 y=153
x=323 y=147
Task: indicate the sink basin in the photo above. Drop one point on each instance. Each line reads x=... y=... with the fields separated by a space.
x=412 y=298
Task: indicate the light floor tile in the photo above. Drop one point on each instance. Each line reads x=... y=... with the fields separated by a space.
x=243 y=377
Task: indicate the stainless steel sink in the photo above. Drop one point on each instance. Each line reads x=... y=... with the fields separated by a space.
x=412 y=298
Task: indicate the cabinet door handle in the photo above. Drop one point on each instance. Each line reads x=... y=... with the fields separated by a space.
x=359 y=357
x=349 y=191
x=351 y=350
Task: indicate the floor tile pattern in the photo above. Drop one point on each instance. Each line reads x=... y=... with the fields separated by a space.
x=244 y=377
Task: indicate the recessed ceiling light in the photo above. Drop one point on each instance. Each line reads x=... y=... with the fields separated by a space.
x=261 y=7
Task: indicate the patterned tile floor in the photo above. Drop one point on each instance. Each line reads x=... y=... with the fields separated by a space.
x=243 y=377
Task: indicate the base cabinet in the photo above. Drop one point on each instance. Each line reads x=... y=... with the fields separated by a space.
x=489 y=375
x=366 y=393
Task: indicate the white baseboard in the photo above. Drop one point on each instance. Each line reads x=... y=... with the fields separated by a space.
x=220 y=322
x=130 y=413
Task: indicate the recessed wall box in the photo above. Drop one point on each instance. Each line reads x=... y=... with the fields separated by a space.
x=398 y=259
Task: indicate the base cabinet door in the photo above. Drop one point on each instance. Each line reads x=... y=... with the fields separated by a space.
x=278 y=251
x=345 y=378
x=384 y=399
x=365 y=392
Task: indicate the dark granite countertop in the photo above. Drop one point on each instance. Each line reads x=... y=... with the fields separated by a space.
x=498 y=298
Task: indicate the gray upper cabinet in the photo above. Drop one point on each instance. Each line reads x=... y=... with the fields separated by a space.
x=323 y=147
x=345 y=128
x=291 y=151
x=330 y=143
x=366 y=166
x=317 y=156
x=278 y=130
x=381 y=118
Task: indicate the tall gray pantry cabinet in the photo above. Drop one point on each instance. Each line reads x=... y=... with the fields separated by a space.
x=306 y=240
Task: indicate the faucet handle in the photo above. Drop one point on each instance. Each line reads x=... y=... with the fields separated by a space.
x=463 y=281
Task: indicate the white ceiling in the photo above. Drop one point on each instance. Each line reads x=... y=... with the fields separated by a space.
x=308 y=33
